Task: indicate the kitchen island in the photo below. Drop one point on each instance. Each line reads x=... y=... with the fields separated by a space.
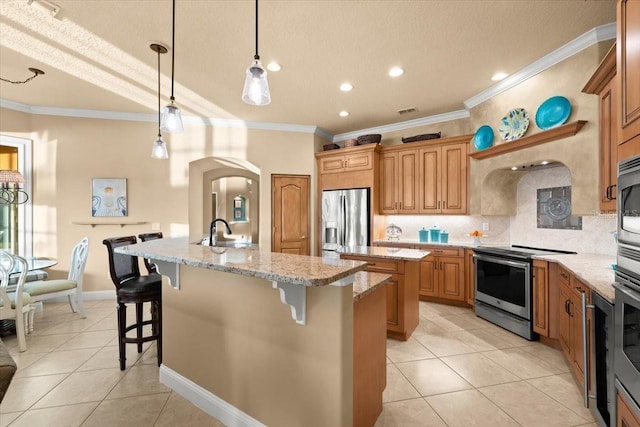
x=232 y=347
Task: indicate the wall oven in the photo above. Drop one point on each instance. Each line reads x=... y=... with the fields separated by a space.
x=629 y=203
x=627 y=333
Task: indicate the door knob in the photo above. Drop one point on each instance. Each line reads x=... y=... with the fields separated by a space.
x=303 y=237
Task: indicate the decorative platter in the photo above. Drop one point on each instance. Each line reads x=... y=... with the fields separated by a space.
x=483 y=138
x=514 y=125
x=553 y=112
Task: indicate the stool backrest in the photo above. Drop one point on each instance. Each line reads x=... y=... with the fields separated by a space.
x=151 y=268
x=122 y=267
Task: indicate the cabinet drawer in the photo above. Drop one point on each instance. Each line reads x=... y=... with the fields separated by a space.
x=379 y=264
x=564 y=275
x=579 y=288
x=440 y=251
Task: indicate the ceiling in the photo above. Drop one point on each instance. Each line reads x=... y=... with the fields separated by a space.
x=96 y=54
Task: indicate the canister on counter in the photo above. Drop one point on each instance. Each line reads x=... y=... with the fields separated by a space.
x=444 y=237
x=435 y=233
x=423 y=235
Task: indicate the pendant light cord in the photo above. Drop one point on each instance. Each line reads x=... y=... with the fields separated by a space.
x=173 y=45
x=256 y=55
x=159 y=133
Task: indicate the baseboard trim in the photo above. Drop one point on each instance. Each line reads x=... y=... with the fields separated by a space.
x=228 y=414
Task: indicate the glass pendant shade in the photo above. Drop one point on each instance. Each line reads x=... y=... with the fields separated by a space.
x=171 y=119
x=159 y=150
x=256 y=86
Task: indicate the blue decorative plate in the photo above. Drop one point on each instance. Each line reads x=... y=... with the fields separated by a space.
x=483 y=138
x=553 y=112
x=514 y=125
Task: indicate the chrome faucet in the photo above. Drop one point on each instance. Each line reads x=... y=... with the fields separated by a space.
x=212 y=230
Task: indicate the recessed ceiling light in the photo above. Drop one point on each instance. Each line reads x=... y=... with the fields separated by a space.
x=396 y=72
x=344 y=113
x=499 y=76
x=346 y=87
x=274 y=66
x=514 y=168
x=544 y=163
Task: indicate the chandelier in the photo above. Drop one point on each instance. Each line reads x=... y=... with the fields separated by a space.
x=10 y=192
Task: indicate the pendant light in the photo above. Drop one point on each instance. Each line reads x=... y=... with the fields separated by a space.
x=159 y=150
x=171 y=115
x=256 y=86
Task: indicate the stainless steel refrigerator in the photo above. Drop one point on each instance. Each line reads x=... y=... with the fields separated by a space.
x=345 y=218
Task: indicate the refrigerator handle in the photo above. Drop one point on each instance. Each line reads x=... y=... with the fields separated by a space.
x=343 y=220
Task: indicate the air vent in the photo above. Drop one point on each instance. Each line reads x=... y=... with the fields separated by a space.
x=407 y=110
x=629 y=165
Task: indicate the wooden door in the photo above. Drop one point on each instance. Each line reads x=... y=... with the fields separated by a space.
x=451 y=278
x=429 y=180
x=541 y=297
x=388 y=183
x=428 y=277
x=408 y=181
x=469 y=269
x=454 y=179
x=564 y=320
x=290 y=214
x=608 y=147
x=628 y=68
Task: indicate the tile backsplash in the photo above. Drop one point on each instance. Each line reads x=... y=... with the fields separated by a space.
x=595 y=237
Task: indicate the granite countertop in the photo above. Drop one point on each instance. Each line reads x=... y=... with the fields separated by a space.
x=451 y=243
x=252 y=261
x=401 y=254
x=592 y=269
x=367 y=282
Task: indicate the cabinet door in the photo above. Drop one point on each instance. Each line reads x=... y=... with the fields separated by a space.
x=541 y=297
x=395 y=289
x=625 y=416
x=359 y=161
x=564 y=320
x=578 y=346
x=388 y=183
x=454 y=179
x=429 y=180
x=428 y=277
x=408 y=182
x=628 y=68
x=332 y=164
x=608 y=147
x=451 y=278
x=469 y=270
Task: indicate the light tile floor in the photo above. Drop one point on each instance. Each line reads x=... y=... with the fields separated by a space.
x=456 y=370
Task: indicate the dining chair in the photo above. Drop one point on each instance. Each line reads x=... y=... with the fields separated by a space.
x=134 y=288
x=151 y=268
x=71 y=287
x=14 y=305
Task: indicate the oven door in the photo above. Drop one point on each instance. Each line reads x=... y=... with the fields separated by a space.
x=629 y=201
x=627 y=338
x=504 y=283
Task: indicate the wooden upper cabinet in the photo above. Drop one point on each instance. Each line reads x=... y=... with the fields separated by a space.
x=443 y=179
x=398 y=182
x=332 y=162
x=628 y=68
x=604 y=83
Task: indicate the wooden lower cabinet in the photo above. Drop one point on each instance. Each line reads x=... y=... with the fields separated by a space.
x=565 y=328
x=540 y=294
x=443 y=277
x=402 y=292
x=625 y=415
x=369 y=357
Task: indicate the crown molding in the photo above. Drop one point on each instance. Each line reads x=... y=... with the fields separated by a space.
x=142 y=117
x=591 y=37
x=438 y=118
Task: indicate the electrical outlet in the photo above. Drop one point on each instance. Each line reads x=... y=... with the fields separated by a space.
x=485 y=226
x=155 y=226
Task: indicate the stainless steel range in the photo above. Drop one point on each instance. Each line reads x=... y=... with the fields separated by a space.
x=503 y=277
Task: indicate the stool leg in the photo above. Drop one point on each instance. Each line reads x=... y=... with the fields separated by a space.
x=139 y=325
x=122 y=325
x=159 y=323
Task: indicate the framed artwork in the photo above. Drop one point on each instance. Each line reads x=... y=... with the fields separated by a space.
x=108 y=197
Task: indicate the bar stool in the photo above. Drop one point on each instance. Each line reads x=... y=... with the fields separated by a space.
x=133 y=288
x=151 y=268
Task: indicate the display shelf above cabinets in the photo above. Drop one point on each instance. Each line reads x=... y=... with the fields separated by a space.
x=543 y=137
x=120 y=223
